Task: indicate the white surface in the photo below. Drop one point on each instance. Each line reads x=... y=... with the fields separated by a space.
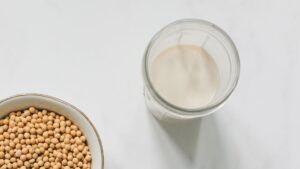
x=89 y=54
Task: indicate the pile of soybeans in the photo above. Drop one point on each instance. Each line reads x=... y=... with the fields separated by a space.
x=41 y=139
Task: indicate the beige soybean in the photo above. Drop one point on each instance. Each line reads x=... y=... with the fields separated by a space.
x=34 y=138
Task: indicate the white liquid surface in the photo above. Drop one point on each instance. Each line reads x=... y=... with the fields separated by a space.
x=185 y=76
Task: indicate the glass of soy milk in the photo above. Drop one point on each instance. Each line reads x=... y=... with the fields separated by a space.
x=190 y=68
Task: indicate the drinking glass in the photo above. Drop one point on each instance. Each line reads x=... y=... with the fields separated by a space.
x=215 y=42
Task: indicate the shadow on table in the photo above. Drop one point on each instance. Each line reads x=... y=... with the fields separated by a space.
x=184 y=134
x=199 y=141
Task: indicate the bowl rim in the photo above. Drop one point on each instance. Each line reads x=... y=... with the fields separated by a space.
x=68 y=104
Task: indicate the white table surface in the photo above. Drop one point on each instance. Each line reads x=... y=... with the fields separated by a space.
x=89 y=54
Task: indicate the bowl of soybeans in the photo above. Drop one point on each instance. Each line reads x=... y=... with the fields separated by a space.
x=43 y=132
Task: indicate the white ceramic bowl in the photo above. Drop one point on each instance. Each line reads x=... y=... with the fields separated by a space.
x=23 y=101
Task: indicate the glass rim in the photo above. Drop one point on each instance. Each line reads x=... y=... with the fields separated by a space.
x=164 y=102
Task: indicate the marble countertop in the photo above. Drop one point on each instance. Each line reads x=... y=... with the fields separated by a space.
x=89 y=54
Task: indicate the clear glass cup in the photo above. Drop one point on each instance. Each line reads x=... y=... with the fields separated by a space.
x=200 y=33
